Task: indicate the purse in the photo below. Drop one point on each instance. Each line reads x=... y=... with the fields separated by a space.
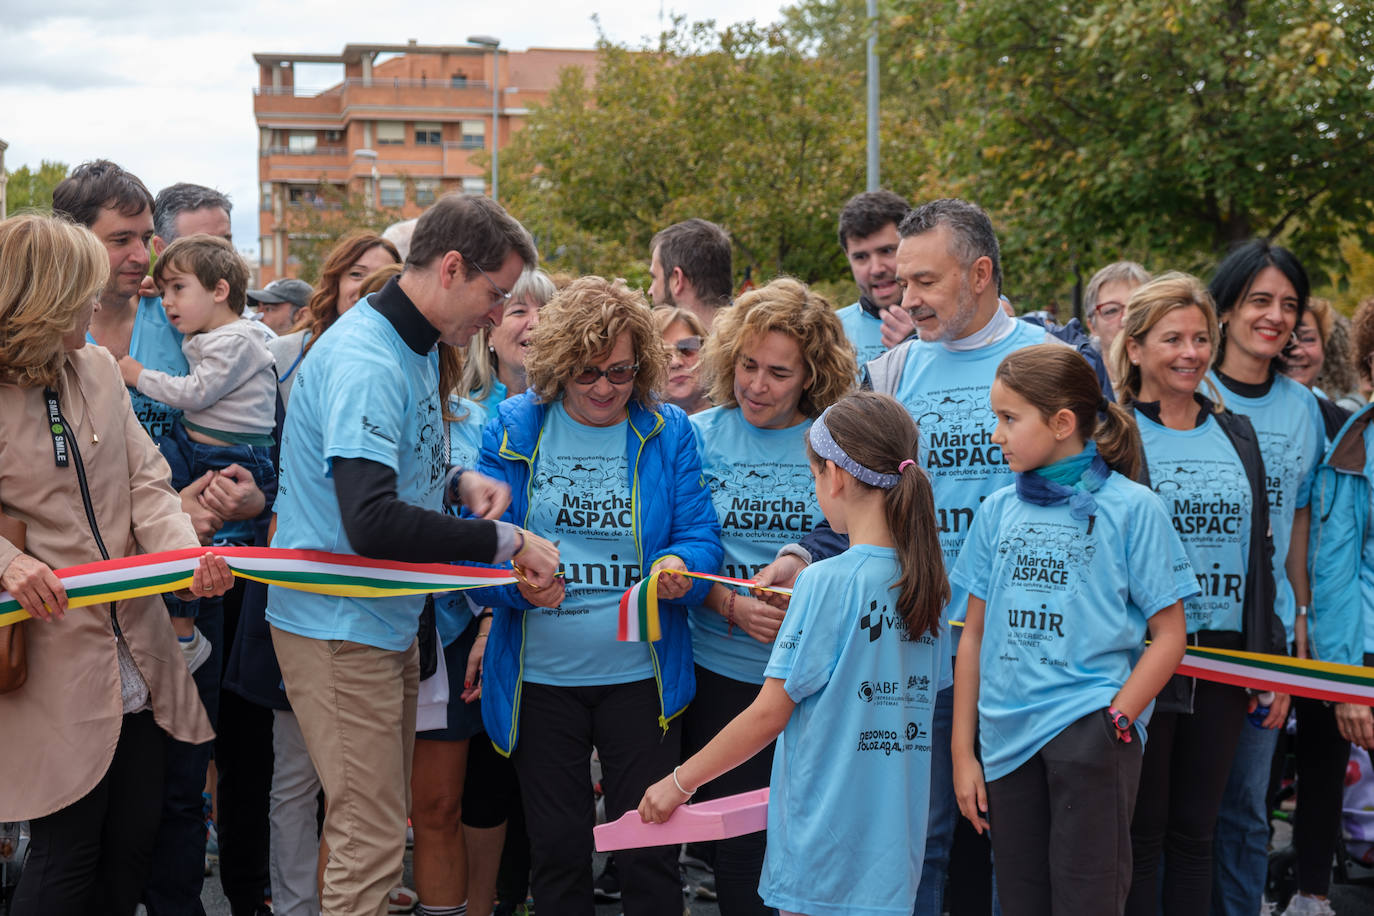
x=14 y=664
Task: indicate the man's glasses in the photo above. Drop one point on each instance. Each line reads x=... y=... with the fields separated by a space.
x=1109 y=309
x=616 y=375
x=505 y=296
x=688 y=346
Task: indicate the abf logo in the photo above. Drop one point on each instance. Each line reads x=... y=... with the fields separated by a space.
x=879 y=690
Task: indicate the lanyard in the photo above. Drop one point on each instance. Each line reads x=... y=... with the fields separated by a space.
x=57 y=428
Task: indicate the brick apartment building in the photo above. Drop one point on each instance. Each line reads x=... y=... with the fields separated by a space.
x=400 y=131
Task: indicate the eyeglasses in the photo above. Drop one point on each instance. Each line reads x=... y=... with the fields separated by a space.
x=505 y=296
x=688 y=345
x=616 y=375
x=1109 y=309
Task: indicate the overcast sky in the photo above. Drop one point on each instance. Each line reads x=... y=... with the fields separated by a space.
x=166 y=89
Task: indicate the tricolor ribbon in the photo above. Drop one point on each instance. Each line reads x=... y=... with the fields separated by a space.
x=1303 y=677
x=303 y=570
x=639 y=620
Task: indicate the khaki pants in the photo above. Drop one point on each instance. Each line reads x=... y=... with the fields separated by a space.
x=356 y=708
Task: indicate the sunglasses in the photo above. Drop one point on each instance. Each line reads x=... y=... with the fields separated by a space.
x=616 y=375
x=688 y=345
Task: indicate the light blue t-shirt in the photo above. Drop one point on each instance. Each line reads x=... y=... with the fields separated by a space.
x=580 y=498
x=946 y=392
x=1066 y=608
x=864 y=331
x=764 y=496
x=1292 y=440
x=157 y=345
x=1198 y=476
x=851 y=774
x=452 y=610
x=359 y=393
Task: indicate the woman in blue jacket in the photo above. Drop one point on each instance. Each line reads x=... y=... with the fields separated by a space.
x=595 y=463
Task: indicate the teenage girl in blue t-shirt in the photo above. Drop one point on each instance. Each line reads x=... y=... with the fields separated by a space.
x=850 y=684
x=1065 y=571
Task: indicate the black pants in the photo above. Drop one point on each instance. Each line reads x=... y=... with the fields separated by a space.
x=738 y=862
x=1182 y=778
x=558 y=728
x=1322 y=757
x=1061 y=824
x=93 y=856
x=243 y=767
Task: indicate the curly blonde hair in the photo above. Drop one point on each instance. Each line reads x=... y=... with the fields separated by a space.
x=789 y=307
x=50 y=269
x=581 y=325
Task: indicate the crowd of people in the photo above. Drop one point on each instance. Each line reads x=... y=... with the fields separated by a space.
x=959 y=528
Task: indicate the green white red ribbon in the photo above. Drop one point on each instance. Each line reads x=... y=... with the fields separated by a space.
x=1302 y=677
x=639 y=619
x=303 y=570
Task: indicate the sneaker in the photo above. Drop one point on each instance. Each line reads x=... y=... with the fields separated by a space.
x=606 y=888
x=706 y=889
x=196 y=650
x=401 y=900
x=1302 y=905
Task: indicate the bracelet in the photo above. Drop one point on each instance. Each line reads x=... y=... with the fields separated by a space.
x=1302 y=610
x=679 y=785
x=520 y=533
x=482 y=635
x=729 y=616
x=485 y=614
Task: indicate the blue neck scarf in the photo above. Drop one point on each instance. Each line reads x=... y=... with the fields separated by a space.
x=1071 y=480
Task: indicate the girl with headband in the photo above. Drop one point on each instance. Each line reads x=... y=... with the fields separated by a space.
x=1065 y=571
x=853 y=670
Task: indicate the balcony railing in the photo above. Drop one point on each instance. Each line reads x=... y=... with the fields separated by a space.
x=315 y=151
x=374 y=83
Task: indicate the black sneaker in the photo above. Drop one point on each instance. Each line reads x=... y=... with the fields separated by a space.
x=606 y=888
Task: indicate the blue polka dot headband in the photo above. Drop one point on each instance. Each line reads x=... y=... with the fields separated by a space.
x=826 y=448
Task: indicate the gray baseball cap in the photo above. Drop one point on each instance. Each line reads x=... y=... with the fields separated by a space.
x=287 y=289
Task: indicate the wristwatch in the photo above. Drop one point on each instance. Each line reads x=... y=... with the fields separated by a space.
x=1121 y=722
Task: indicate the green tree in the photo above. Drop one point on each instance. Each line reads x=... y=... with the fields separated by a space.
x=30 y=189
x=1159 y=130
x=316 y=225
x=740 y=126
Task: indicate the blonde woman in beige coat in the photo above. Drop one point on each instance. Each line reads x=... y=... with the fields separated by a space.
x=83 y=736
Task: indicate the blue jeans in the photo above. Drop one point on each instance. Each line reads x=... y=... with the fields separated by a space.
x=1240 y=844
x=178 y=862
x=944 y=810
x=190 y=460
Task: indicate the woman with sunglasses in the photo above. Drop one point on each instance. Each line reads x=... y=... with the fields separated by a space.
x=596 y=463
x=774 y=361
x=683 y=331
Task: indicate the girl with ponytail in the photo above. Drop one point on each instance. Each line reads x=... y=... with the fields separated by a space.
x=1066 y=570
x=853 y=673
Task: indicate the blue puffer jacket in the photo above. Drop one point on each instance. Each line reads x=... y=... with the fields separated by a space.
x=673 y=516
x=1340 y=554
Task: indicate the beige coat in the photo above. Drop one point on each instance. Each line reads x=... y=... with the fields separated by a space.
x=59 y=730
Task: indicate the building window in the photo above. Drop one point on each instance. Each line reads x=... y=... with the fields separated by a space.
x=265 y=251
x=266 y=203
x=391 y=192
x=427 y=133
x=333 y=136
x=458 y=80
x=308 y=196
x=391 y=132
x=477 y=186
x=474 y=134
x=301 y=141
x=426 y=190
